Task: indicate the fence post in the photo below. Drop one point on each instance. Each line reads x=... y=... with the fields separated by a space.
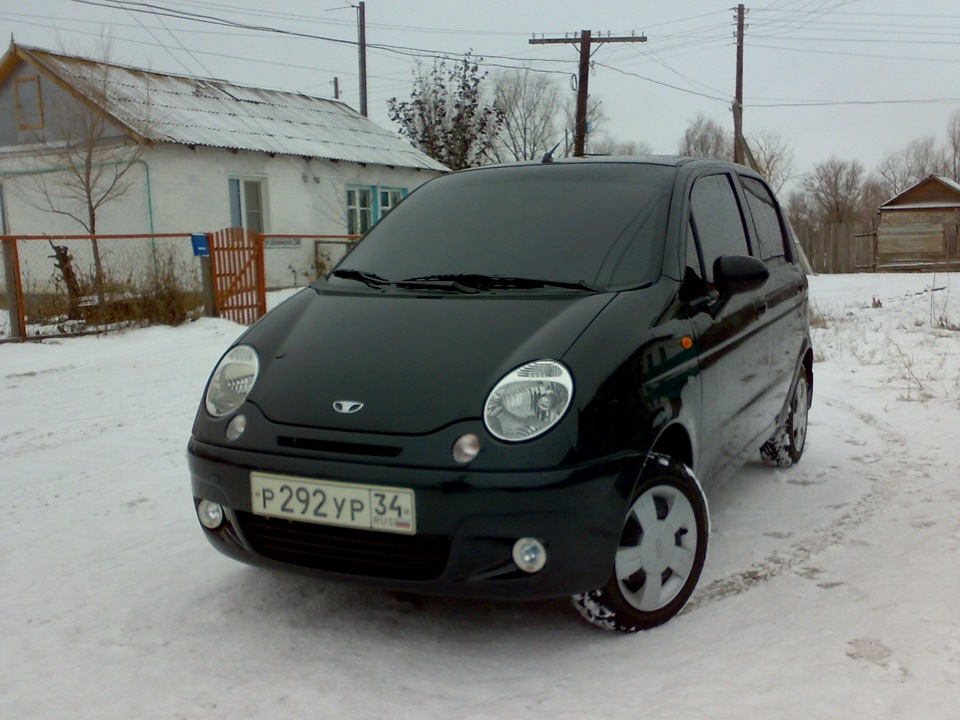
x=209 y=287
x=15 y=308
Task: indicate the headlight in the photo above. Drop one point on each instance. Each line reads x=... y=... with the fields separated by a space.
x=528 y=401
x=232 y=380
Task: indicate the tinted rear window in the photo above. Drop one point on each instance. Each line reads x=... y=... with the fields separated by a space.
x=602 y=224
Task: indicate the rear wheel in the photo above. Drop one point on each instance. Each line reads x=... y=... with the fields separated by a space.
x=786 y=446
x=662 y=550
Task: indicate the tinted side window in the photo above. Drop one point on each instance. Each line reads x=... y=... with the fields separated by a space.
x=719 y=224
x=766 y=219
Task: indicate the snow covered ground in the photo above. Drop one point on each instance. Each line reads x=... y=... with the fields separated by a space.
x=832 y=589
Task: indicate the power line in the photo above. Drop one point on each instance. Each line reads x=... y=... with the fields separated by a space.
x=407 y=51
x=683 y=42
x=831 y=103
x=176 y=39
x=871 y=14
x=853 y=54
x=662 y=84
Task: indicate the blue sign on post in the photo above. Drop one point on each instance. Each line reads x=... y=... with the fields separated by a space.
x=200 y=246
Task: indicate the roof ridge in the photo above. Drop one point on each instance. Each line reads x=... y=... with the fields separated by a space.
x=179 y=76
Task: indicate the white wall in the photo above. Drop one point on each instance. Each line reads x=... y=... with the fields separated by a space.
x=179 y=190
x=301 y=197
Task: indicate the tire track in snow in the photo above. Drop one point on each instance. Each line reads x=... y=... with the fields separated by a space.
x=895 y=463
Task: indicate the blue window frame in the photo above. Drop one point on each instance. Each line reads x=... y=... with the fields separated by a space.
x=368 y=203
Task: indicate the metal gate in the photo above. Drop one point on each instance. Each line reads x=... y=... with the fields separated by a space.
x=236 y=259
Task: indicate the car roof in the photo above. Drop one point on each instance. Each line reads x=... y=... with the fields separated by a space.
x=677 y=161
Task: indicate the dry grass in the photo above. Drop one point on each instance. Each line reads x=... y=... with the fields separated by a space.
x=158 y=297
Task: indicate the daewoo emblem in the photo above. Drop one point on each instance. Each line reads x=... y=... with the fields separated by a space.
x=348 y=407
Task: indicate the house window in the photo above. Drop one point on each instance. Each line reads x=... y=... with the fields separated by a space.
x=389 y=197
x=366 y=205
x=29 y=107
x=247 y=206
x=359 y=210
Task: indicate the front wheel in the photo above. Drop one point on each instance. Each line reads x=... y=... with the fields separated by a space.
x=786 y=446
x=662 y=550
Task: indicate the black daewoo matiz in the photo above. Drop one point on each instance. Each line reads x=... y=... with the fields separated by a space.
x=513 y=387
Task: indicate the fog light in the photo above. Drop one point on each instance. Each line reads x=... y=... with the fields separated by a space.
x=529 y=554
x=211 y=515
x=466 y=448
x=236 y=427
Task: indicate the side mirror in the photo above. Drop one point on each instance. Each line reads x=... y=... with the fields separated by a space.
x=735 y=274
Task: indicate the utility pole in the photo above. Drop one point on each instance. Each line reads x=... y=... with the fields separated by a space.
x=362 y=45
x=738 y=143
x=585 y=40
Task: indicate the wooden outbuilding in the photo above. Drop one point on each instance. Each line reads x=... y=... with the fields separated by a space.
x=918 y=228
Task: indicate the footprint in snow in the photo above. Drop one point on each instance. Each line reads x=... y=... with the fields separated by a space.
x=874 y=652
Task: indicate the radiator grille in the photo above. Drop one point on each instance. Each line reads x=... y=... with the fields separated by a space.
x=337 y=447
x=345 y=550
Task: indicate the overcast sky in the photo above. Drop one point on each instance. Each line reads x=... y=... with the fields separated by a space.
x=851 y=78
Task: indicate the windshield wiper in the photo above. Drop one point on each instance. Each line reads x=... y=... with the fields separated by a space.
x=579 y=285
x=493 y=282
x=437 y=282
x=369 y=279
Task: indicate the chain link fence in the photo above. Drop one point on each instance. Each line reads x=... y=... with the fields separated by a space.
x=78 y=284
x=82 y=284
x=297 y=260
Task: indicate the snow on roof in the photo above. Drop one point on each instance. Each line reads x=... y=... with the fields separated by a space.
x=197 y=111
x=949 y=182
x=929 y=205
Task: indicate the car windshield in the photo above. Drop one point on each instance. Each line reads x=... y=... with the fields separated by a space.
x=591 y=225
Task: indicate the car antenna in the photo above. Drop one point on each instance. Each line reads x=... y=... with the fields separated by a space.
x=548 y=156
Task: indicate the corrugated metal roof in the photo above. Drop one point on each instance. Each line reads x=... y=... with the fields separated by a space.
x=215 y=113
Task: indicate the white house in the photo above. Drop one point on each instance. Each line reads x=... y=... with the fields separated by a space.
x=206 y=155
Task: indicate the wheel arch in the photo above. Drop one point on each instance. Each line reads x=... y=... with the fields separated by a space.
x=675 y=442
x=808 y=370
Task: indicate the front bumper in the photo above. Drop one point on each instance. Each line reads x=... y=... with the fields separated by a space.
x=467 y=523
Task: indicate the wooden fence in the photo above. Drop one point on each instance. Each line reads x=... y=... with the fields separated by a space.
x=856 y=247
x=840 y=247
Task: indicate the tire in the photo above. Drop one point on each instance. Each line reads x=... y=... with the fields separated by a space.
x=662 y=551
x=786 y=446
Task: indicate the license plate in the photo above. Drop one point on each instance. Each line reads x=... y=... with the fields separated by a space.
x=325 y=502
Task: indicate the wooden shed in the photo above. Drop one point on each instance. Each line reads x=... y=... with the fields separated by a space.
x=918 y=228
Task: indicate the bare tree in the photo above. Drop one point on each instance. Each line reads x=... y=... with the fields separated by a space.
x=87 y=160
x=874 y=195
x=768 y=153
x=609 y=146
x=705 y=137
x=911 y=164
x=596 y=120
x=774 y=158
x=446 y=116
x=531 y=107
x=953 y=146
x=840 y=191
x=801 y=213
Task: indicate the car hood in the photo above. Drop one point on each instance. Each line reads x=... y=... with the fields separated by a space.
x=416 y=363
